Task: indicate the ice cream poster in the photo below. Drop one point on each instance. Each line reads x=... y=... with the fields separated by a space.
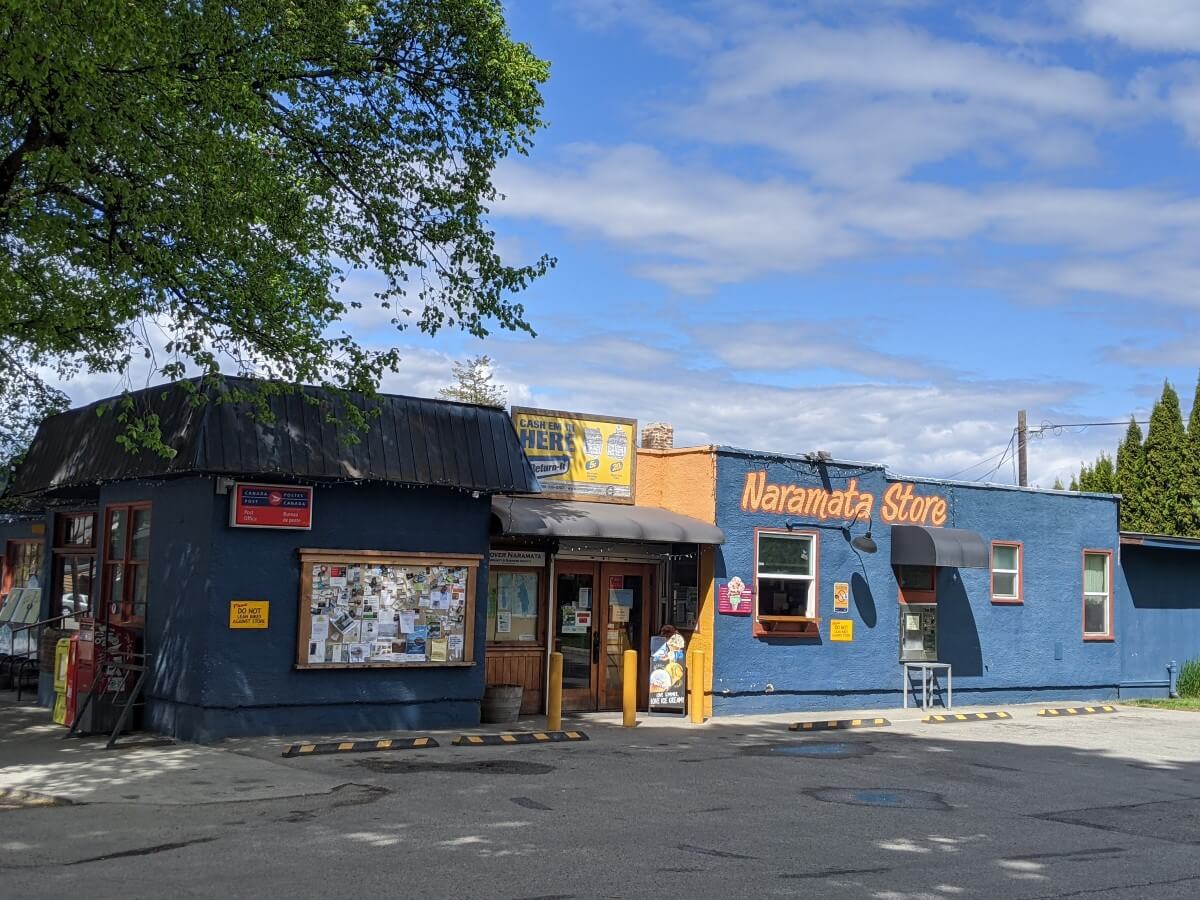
x=734 y=597
x=667 y=673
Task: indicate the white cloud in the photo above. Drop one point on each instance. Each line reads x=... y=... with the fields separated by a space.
x=1168 y=25
x=783 y=346
x=895 y=60
x=661 y=28
x=694 y=227
x=697 y=225
x=931 y=429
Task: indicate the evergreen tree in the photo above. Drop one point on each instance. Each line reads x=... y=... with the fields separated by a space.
x=473 y=384
x=1164 y=468
x=1192 y=483
x=1058 y=485
x=1129 y=478
x=1100 y=478
x=1074 y=484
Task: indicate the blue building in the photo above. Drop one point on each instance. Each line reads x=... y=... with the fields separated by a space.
x=275 y=577
x=834 y=575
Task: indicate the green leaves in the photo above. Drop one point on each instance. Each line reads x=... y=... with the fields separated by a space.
x=1158 y=478
x=214 y=170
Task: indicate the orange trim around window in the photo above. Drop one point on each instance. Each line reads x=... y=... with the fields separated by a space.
x=792 y=626
x=1108 y=635
x=1019 y=600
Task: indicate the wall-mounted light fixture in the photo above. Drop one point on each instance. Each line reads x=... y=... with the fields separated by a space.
x=864 y=542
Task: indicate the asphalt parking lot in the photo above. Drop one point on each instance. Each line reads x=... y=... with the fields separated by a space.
x=1090 y=806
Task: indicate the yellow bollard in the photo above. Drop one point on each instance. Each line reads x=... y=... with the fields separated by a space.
x=696 y=687
x=554 y=694
x=630 y=689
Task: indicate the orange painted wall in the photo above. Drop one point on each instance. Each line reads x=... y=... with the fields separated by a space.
x=684 y=481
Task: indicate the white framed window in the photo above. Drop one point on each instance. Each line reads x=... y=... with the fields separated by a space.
x=1097 y=595
x=1006 y=572
x=785 y=576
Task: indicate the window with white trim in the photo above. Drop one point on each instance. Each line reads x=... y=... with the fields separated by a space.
x=1097 y=594
x=1006 y=572
x=786 y=576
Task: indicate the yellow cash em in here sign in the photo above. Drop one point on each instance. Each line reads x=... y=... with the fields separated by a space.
x=248 y=613
x=577 y=456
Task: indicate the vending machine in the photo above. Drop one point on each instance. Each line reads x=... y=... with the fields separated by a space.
x=918 y=633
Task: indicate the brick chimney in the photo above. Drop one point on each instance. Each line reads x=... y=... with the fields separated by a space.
x=658 y=436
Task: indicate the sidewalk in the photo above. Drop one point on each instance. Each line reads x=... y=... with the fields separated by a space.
x=38 y=766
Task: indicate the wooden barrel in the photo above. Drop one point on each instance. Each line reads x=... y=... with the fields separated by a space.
x=501 y=703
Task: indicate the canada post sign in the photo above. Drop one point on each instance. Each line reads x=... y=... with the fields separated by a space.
x=271 y=506
x=577 y=456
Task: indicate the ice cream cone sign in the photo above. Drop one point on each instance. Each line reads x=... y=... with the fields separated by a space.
x=734 y=597
x=736 y=588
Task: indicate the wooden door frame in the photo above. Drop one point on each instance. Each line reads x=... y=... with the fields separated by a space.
x=575 y=699
x=648 y=613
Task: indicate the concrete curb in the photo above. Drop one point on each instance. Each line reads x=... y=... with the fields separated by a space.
x=1068 y=711
x=965 y=717
x=517 y=737
x=313 y=749
x=836 y=724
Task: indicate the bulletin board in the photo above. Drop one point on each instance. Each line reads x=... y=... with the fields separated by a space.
x=367 y=609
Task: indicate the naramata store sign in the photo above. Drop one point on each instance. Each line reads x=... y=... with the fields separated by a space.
x=901 y=505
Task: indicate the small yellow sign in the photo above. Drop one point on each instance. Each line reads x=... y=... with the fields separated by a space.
x=248 y=613
x=841 y=596
x=841 y=629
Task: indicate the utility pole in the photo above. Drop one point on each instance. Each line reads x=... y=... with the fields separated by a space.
x=1022 y=459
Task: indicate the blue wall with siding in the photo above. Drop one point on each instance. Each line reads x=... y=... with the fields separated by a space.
x=1031 y=652
x=1159 y=615
x=213 y=682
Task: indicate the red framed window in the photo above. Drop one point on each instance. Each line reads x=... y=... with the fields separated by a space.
x=918 y=584
x=126 y=563
x=1097 y=595
x=1008 y=572
x=74 y=586
x=786 y=573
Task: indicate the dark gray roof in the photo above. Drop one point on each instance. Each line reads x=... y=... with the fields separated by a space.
x=412 y=441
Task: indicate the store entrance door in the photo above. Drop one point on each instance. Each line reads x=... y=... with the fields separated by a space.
x=601 y=610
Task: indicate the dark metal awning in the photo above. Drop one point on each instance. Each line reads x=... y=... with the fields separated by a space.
x=574 y=519
x=916 y=545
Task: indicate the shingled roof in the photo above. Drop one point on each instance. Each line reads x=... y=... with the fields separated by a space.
x=413 y=440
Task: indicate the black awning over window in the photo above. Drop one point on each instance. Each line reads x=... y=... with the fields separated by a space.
x=916 y=545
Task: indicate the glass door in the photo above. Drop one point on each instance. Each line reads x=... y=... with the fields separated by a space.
x=575 y=632
x=628 y=592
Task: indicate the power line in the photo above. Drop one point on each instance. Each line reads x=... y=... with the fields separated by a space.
x=1003 y=458
x=1056 y=428
x=985 y=460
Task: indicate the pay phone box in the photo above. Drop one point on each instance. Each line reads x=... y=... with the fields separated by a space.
x=918 y=633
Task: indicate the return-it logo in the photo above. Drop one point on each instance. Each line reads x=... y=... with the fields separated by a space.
x=900 y=504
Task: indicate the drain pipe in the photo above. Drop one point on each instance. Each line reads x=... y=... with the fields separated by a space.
x=1171 y=672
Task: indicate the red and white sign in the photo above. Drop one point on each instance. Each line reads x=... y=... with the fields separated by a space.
x=271 y=506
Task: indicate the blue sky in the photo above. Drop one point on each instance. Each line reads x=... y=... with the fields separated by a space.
x=873 y=228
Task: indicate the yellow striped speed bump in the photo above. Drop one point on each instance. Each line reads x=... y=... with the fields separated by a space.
x=835 y=724
x=965 y=717
x=517 y=737
x=1066 y=711
x=417 y=743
